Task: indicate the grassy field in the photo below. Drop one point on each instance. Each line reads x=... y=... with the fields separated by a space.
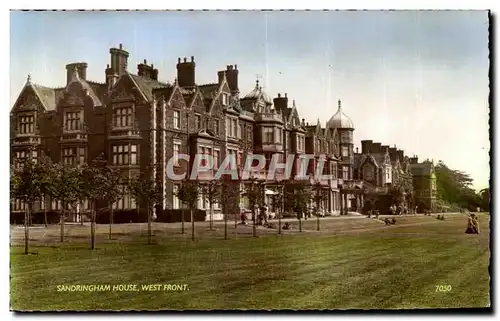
x=351 y=263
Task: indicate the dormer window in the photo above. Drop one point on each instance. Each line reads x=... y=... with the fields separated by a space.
x=72 y=120
x=26 y=124
x=122 y=117
x=225 y=99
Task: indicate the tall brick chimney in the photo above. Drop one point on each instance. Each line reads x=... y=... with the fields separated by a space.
x=280 y=103
x=81 y=67
x=384 y=149
x=376 y=148
x=414 y=159
x=366 y=146
x=401 y=155
x=119 y=60
x=144 y=70
x=393 y=153
x=186 y=72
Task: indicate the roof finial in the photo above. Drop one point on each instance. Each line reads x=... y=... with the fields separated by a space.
x=28 y=80
x=340 y=104
x=257 y=83
x=293 y=103
x=176 y=81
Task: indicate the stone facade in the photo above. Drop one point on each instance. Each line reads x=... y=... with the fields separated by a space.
x=137 y=123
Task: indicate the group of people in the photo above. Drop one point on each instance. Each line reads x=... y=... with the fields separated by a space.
x=400 y=209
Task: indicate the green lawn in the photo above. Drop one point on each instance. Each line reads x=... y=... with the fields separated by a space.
x=350 y=263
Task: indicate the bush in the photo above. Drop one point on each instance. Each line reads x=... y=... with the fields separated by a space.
x=170 y=216
x=17 y=218
x=122 y=216
x=288 y=215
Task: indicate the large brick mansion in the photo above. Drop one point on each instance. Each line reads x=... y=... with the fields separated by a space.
x=138 y=123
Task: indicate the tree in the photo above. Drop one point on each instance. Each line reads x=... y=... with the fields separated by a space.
x=211 y=190
x=277 y=201
x=29 y=181
x=229 y=199
x=188 y=193
x=94 y=185
x=67 y=188
x=484 y=195
x=144 y=190
x=113 y=191
x=255 y=194
x=317 y=197
x=455 y=187
x=298 y=196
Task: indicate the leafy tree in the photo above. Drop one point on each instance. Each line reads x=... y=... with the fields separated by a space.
x=146 y=192
x=455 y=187
x=188 y=193
x=94 y=184
x=212 y=191
x=229 y=199
x=113 y=191
x=255 y=193
x=277 y=201
x=298 y=196
x=67 y=188
x=484 y=195
x=317 y=198
x=29 y=181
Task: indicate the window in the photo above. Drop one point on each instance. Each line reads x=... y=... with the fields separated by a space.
x=300 y=143
x=345 y=151
x=368 y=173
x=126 y=202
x=125 y=154
x=204 y=151
x=69 y=156
x=216 y=158
x=177 y=150
x=217 y=127
x=231 y=155
x=268 y=135
x=177 y=119
x=197 y=122
x=122 y=117
x=225 y=99
x=241 y=133
x=249 y=134
x=240 y=159
x=235 y=127
x=72 y=120
x=133 y=154
x=81 y=155
x=345 y=172
x=18 y=205
x=176 y=202
x=26 y=124
x=232 y=127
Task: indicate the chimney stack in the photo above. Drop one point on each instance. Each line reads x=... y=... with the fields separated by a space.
x=384 y=149
x=280 y=103
x=231 y=78
x=186 y=72
x=366 y=146
x=81 y=67
x=393 y=153
x=119 y=61
x=375 y=149
x=401 y=155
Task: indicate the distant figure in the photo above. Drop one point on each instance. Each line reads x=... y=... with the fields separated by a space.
x=416 y=209
x=287 y=226
x=472 y=225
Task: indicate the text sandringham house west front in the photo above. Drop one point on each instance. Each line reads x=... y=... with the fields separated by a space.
x=138 y=123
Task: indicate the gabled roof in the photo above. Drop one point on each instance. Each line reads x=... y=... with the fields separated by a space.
x=146 y=85
x=46 y=95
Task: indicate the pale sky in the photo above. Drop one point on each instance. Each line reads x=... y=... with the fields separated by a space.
x=418 y=80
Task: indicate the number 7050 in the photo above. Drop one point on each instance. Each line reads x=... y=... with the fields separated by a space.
x=443 y=288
